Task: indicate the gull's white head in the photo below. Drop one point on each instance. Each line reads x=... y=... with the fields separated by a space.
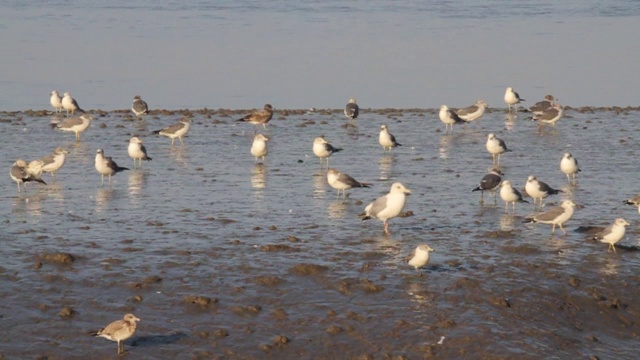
x=131 y=318
x=67 y=94
x=481 y=103
x=383 y=127
x=333 y=171
x=399 y=188
x=509 y=89
x=621 y=222
x=352 y=101
x=495 y=170
x=55 y=92
x=549 y=97
x=424 y=247
x=506 y=183
x=320 y=140
x=568 y=204
x=531 y=178
x=135 y=140
x=260 y=137
x=21 y=163
x=491 y=136
x=444 y=108
x=60 y=150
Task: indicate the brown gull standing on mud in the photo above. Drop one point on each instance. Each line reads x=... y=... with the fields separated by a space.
x=557 y=215
x=351 y=110
x=387 y=207
x=119 y=331
x=541 y=106
x=259 y=117
x=174 y=131
x=344 y=182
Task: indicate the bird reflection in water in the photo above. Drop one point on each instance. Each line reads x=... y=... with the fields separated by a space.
x=31 y=204
x=319 y=184
x=337 y=209
x=386 y=166
x=179 y=154
x=445 y=144
x=611 y=266
x=103 y=196
x=507 y=222
x=352 y=129
x=136 y=182
x=509 y=122
x=258 y=180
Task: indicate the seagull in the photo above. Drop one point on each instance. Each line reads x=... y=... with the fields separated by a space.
x=322 y=149
x=511 y=98
x=175 y=131
x=388 y=206
x=54 y=162
x=490 y=182
x=119 y=330
x=420 y=256
x=22 y=174
x=538 y=189
x=509 y=194
x=137 y=151
x=557 y=215
x=70 y=104
x=473 y=112
x=448 y=117
x=613 y=233
x=550 y=116
x=351 y=110
x=569 y=166
x=496 y=146
x=56 y=101
x=541 y=106
x=106 y=166
x=259 y=146
x=259 y=117
x=77 y=125
x=344 y=182
x=386 y=139
x=139 y=106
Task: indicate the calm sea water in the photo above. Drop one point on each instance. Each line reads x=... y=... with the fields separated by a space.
x=300 y=54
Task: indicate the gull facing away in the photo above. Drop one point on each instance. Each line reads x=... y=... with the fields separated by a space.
x=322 y=149
x=174 y=131
x=509 y=194
x=344 y=182
x=387 y=207
x=56 y=101
x=139 y=106
x=54 y=162
x=496 y=147
x=490 y=182
x=448 y=117
x=613 y=233
x=259 y=116
x=569 y=166
x=106 y=166
x=386 y=139
x=635 y=201
x=557 y=215
x=137 y=151
x=119 y=331
x=420 y=256
x=473 y=112
x=259 y=146
x=511 y=98
x=538 y=189
x=541 y=106
x=77 y=125
x=351 y=110
x=70 y=104
x=22 y=174
x=549 y=116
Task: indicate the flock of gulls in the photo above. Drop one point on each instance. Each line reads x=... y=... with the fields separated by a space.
x=385 y=208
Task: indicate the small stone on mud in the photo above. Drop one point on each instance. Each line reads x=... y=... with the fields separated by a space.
x=445 y=323
x=137 y=298
x=308 y=269
x=152 y=279
x=199 y=300
x=38 y=265
x=574 y=281
x=592 y=338
x=281 y=340
x=267 y=280
x=278 y=247
x=279 y=314
x=61 y=258
x=67 y=312
x=273 y=227
x=246 y=310
x=334 y=329
x=293 y=239
x=266 y=347
x=220 y=333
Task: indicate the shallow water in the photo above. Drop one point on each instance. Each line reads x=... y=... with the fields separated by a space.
x=202 y=219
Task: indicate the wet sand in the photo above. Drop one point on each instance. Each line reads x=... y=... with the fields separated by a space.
x=224 y=258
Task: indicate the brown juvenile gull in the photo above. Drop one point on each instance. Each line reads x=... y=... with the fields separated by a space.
x=613 y=233
x=387 y=207
x=538 y=189
x=473 y=112
x=509 y=194
x=490 y=182
x=119 y=331
x=322 y=149
x=351 y=110
x=106 y=166
x=541 y=106
x=420 y=256
x=56 y=101
x=54 y=162
x=550 y=116
x=495 y=147
x=557 y=215
x=259 y=116
x=70 y=104
x=386 y=139
x=448 y=117
x=569 y=166
x=344 y=182
x=21 y=174
x=259 y=146
x=511 y=98
x=175 y=131
x=137 y=151
x=77 y=125
x=139 y=106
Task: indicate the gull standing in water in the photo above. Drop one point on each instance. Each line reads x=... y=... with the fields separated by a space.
x=387 y=207
x=509 y=194
x=119 y=331
x=137 y=151
x=386 y=139
x=490 y=182
x=635 y=201
x=54 y=162
x=512 y=98
x=541 y=106
x=420 y=256
x=106 y=166
x=495 y=147
x=322 y=149
x=351 y=110
x=56 y=101
x=77 y=125
x=569 y=166
x=613 y=233
x=70 y=104
x=344 y=182
x=22 y=174
x=175 y=131
x=473 y=112
x=550 y=116
x=139 y=106
x=555 y=216
x=259 y=146
x=538 y=189
x=259 y=117
x=448 y=117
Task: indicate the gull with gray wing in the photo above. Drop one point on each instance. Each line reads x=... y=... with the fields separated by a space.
x=174 y=131
x=22 y=174
x=119 y=331
x=538 y=190
x=510 y=195
x=569 y=166
x=387 y=207
x=106 y=166
x=420 y=256
x=77 y=125
x=70 y=104
x=557 y=215
x=541 y=106
x=473 y=112
x=137 y=151
x=448 y=117
x=386 y=139
x=613 y=233
x=139 y=106
x=512 y=98
x=258 y=117
x=490 y=182
x=344 y=182
x=322 y=149
x=56 y=101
